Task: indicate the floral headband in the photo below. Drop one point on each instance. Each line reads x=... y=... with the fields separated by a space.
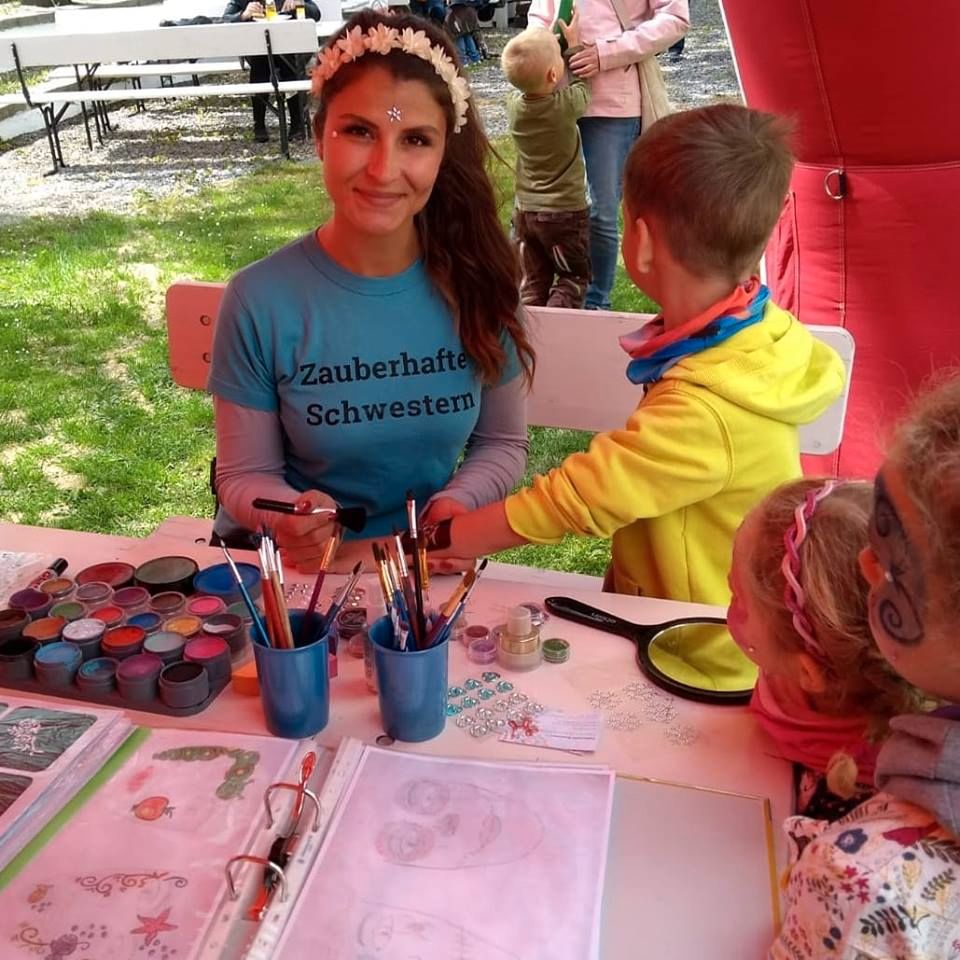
x=382 y=39
x=794 y=596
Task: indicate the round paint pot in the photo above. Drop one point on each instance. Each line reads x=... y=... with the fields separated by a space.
x=12 y=623
x=165 y=574
x=123 y=642
x=184 y=624
x=556 y=651
x=137 y=677
x=93 y=594
x=168 y=604
x=16 y=658
x=218 y=581
x=476 y=632
x=150 y=622
x=59 y=588
x=45 y=630
x=184 y=684
x=70 y=610
x=165 y=645
x=131 y=600
x=57 y=663
x=86 y=634
x=97 y=676
x=214 y=654
x=34 y=603
x=204 y=606
x=458 y=632
x=483 y=649
x=239 y=609
x=227 y=627
x=111 y=615
x=113 y=572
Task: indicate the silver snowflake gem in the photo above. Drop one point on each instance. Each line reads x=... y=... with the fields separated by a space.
x=394 y=114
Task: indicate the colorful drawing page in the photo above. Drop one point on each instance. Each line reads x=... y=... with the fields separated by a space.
x=444 y=859
x=135 y=873
x=47 y=753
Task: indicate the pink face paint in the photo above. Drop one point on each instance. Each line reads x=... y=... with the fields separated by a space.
x=205 y=606
x=213 y=653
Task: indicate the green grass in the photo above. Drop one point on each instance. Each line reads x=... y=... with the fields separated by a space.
x=93 y=433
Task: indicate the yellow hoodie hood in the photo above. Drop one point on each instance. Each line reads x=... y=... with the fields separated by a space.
x=709 y=440
x=774 y=369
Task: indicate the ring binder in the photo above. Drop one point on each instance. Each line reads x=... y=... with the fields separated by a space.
x=264 y=862
x=283 y=846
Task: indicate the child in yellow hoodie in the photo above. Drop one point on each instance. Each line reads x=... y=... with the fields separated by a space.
x=724 y=376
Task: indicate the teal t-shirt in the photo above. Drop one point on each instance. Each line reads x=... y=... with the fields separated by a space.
x=374 y=390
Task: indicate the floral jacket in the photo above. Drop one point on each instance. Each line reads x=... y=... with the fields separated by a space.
x=882 y=883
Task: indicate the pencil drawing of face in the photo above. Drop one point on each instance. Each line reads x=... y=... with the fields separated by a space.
x=453 y=825
x=389 y=933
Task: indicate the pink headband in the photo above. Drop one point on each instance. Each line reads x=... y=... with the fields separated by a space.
x=793 y=593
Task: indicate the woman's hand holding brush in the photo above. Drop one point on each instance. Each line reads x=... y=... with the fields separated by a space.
x=302 y=535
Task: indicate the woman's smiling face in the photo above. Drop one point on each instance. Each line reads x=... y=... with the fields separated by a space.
x=382 y=147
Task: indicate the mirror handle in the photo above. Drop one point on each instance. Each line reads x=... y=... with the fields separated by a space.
x=570 y=609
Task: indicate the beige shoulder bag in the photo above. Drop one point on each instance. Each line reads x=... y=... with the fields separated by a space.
x=654 y=102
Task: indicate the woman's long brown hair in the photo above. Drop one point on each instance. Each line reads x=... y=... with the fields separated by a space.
x=466 y=252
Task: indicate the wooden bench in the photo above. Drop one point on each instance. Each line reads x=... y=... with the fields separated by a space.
x=87 y=52
x=579 y=384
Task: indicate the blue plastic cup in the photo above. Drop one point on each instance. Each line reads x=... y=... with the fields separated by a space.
x=294 y=685
x=411 y=686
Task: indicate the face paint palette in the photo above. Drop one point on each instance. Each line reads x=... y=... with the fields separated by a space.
x=129 y=654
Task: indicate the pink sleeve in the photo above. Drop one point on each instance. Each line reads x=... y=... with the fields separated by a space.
x=669 y=21
x=541 y=13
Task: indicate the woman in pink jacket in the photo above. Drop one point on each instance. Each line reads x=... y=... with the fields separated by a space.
x=612 y=120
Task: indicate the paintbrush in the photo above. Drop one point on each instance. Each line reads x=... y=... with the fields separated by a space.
x=353 y=518
x=343 y=596
x=329 y=550
x=461 y=606
x=273 y=593
x=396 y=585
x=421 y=628
x=251 y=608
x=451 y=603
x=405 y=582
x=387 y=590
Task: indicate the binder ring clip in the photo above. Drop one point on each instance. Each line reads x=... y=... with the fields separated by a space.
x=307 y=766
x=263 y=862
x=835 y=184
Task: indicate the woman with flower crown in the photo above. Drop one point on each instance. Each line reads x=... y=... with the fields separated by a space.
x=361 y=360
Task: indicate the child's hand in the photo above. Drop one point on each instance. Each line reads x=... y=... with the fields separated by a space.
x=571 y=30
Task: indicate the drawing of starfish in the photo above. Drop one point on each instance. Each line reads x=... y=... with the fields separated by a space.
x=152 y=927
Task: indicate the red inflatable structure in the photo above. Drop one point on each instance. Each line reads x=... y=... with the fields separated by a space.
x=865 y=238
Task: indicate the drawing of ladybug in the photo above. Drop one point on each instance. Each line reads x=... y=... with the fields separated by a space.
x=153 y=808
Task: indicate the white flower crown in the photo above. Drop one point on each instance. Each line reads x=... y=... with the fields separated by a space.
x=382 y=39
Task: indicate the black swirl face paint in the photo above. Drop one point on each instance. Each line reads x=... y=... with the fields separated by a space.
x=899 y=601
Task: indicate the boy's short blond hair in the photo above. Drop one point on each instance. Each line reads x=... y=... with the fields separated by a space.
x=528 y=56
x=714 y=180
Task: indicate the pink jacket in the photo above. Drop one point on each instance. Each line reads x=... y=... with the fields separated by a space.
x=615 y=91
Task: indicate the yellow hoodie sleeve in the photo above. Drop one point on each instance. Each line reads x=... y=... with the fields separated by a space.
x=673 y=451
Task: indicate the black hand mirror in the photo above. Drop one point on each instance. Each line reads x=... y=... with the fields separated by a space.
x=668 y=652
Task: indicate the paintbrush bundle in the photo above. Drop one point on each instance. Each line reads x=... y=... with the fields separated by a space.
x=415 y=627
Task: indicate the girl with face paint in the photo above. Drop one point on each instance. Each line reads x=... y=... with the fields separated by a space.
x=885 y=880
x=799 y=610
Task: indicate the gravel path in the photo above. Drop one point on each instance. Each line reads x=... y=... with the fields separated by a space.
x=181 y=146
